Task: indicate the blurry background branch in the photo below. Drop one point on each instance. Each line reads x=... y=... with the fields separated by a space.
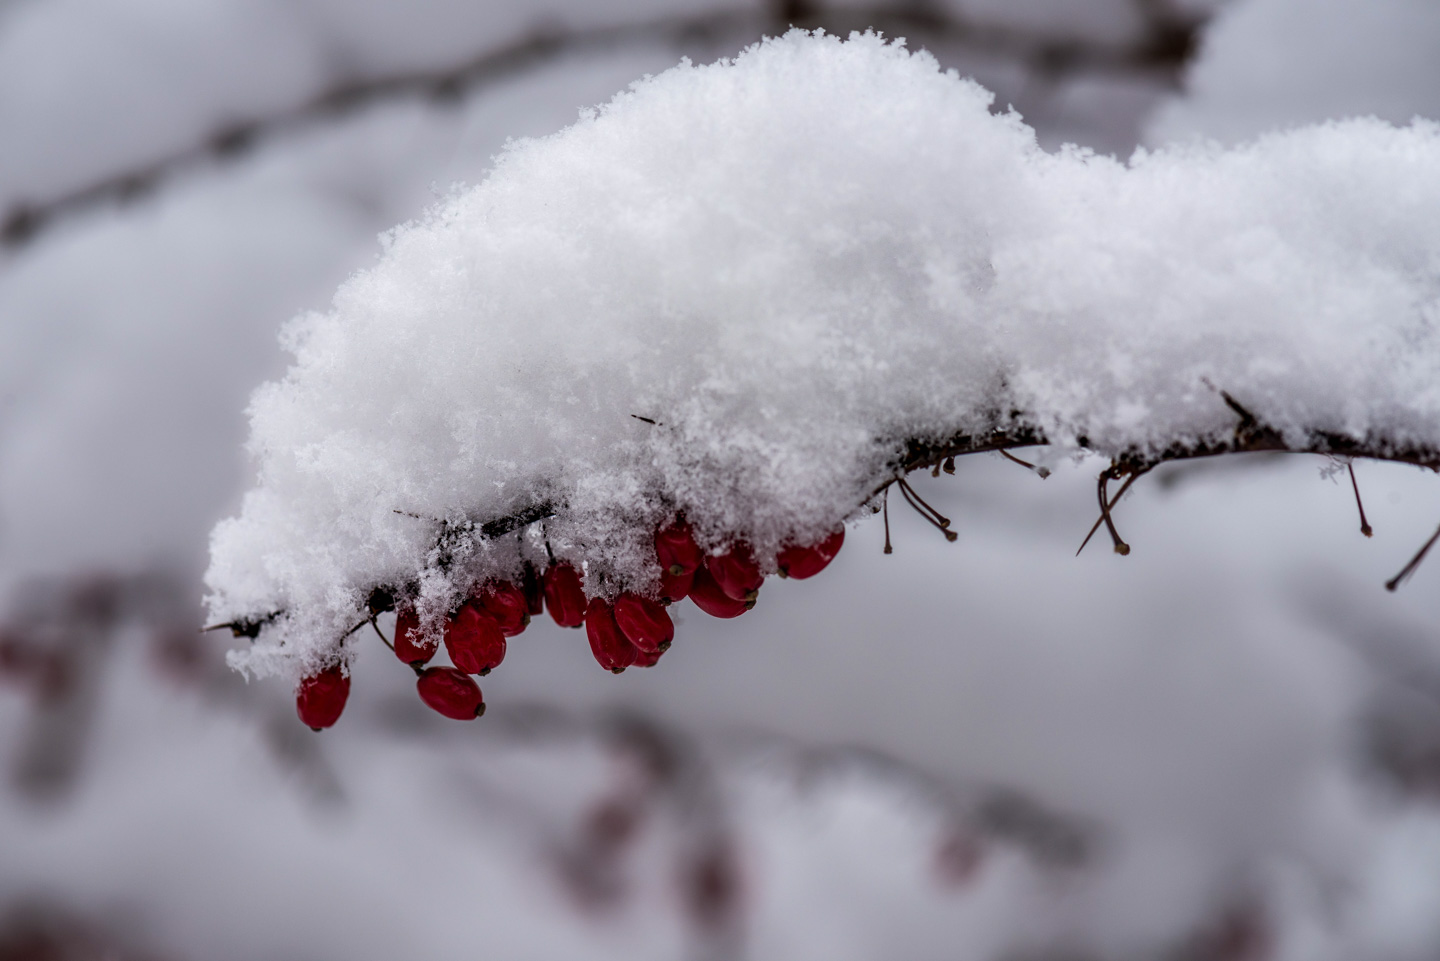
x=1156 y=53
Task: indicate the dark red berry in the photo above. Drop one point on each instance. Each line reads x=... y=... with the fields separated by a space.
x=533 y=589
x=647 y=658
x=708 y=596
x=607 y=642
x=736 y=572
x=564 y=595
x=451 y=693
x=803 y=562
x=507 y=605
x=408 y=645
x=321 y=697
x=644 y=622
x=675 y=587
x=474 y=641
x=677 y=550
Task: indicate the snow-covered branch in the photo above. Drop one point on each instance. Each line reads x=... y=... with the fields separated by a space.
x=753 y=293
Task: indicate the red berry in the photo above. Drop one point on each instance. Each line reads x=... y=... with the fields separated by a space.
x=736 y=572
x=803 y=562
x=564 y=595
x=321 y=698
x=507 y=605
x=644 y=622
x=408 y=646
x=534 y=591
x=451 y=693
x=708 y=596
x=474 y=641
x=607 y=642
x=647 y=658
x=675 y=587
x=677 y=550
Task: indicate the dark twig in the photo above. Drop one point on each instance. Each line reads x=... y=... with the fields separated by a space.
x=652 y=423
x=885 y=510
x=382 y=637
x=1409 y=569
x=1113 y=501
x=941 y=522
x=1121 y=547
x=1365 y=527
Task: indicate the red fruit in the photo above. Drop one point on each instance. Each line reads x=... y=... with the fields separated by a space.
x=677 y=550
x=607 y=642
x=507 y=605
x=533 y=590
x=644 y=622
x=451 y=692
x=708 y=596
x=564 y=595
x=675 y=587
x=803 y=562
x=474 y=641
x=647 y=658
x=408 y=646
x=736 y=572
x=321 y=698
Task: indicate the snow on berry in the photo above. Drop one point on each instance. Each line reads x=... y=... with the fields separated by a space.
x=741 y=294
x=411 y=646
x=737 y=572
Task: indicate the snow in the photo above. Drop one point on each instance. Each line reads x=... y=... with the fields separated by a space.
x=795 y=261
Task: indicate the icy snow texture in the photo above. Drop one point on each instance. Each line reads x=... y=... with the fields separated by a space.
x=794 y=261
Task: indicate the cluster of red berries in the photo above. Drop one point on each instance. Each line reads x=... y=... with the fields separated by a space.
x=631 y=631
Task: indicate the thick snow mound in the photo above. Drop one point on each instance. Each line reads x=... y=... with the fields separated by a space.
x=794 y=262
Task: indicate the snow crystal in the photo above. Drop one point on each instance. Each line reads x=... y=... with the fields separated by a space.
x=793 y=262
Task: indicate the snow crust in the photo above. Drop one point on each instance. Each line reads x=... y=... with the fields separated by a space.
x=794 y=261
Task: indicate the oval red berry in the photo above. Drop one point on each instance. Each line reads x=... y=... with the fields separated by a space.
x=408 y=645
x=507 y=605
x=607 y=642
x=644 y=622
x=564 y=595
x=803 y=562
x=676 y=548
x=474 y=641
x=736 y=572
x=321 y=697
x=451 y=693
x=708 y=596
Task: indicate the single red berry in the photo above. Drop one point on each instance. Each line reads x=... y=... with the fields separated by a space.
x=408 y=645
x=507 y=605
x=564 y=595
x=647 y=658
x=474 y=641
x=708 y=596
x=677 y=550
x=644 y=622
x=736 y=572
x=450 y=692
x=533 y=589
x=607 y=642
x=675 y=587
x=803 y=562
x=321 y=698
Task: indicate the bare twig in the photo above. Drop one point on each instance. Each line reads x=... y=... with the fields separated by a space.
x=1409 y=568
x=1365 y=527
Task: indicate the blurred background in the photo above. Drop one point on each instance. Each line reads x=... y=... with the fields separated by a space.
x=1224 y=746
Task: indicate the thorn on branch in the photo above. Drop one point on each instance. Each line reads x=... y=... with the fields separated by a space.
x=1409 y=569
x=1365 y=527
x=1043 y=472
